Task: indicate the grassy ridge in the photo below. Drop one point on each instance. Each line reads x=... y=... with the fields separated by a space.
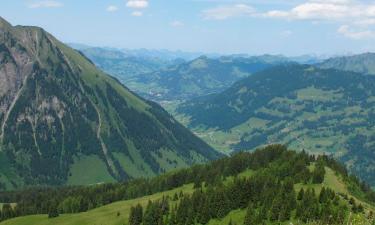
x=104 y=215
x=117 y=213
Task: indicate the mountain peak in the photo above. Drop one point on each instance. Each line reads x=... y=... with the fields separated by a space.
x=4 y=23
x=59 y=98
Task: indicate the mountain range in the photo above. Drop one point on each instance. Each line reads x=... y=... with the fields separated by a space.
x=163 y=75
x=198 y=77
x=362 y=63
x=63 y=121
x=325 y=111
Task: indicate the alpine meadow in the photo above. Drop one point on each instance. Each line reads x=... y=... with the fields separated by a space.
x=193 y=112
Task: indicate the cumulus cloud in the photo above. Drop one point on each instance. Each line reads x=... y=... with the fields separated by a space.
x=112 y=8
x=137 y=13
x=225 y=12
x=359 y=15
x=325 y=10
x=137 y=4
x=46 y=4
x=357 y=34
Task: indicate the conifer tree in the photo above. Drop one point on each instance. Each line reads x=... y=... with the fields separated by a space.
x=251 y=217
x=136 y=215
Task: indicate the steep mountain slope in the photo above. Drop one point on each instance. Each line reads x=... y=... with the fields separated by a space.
x=363 y=63
x=270 y=186
x=198 y=77
x=64 y=121
x=308 y=108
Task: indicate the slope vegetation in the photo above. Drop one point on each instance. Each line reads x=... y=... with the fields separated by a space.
x=60 y=116
x=270 y=186
x=324 y=111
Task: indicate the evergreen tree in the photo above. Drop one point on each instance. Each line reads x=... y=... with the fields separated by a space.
x=52 y=213
x=152 y=214
x=7 y=212
x=204 y=213
x=300 y=194
x=318 y=173
x=251 y=216
x=136 y=215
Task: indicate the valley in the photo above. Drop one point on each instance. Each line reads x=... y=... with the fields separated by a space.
x=196 y=112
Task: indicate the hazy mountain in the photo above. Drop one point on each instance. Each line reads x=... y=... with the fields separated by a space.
x=198 y=77
x=322 y=111
x=363 y=63
x=124 y=66
x=162 y=54
x=63 y=121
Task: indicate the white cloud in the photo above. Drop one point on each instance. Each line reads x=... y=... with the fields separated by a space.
x=137 y=13
x=365 y=22
x=225 y=12
x=177 y=23
x=360 y=15
x=336 y=10
x=351 y=33
x=137 y=4
x=112 y=8
x=46 y=4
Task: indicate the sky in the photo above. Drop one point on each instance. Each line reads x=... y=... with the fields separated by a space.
x=289 y=27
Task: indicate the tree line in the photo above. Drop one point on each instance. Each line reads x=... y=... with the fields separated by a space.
x=275 y=163
x=268 y=197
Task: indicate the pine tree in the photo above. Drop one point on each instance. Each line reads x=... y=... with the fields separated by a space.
x=323 y=196
x=204 y=213
x=152 y=214
x=251 y=215
x=7 y=212
x=52 y=212
x=318 y=173
x=136 y=215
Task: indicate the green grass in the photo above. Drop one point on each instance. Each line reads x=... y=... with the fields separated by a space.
x=83 y=173
x=106 y=215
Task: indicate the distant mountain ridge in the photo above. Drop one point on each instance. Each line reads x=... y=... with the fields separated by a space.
x=162 y=54
x=362 y=63
x=125 y=66
x=63 y=121
x=320 y=110
x=164 y=75
x=199 y=77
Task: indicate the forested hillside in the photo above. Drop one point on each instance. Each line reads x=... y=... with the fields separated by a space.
x=320 y=110
x=63 y=121
x=269 y=186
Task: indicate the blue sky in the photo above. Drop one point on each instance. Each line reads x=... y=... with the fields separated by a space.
x=290 y=27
